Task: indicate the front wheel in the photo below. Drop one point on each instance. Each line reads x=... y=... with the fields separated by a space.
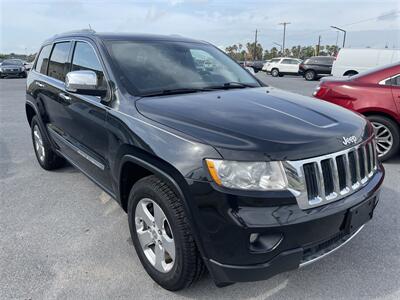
x=275 y=72
x=387 y=136
x=162 y=236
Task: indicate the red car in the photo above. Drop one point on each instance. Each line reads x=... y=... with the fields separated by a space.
x=376 y=95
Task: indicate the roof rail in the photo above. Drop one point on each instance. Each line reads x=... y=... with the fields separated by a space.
x=85 y=30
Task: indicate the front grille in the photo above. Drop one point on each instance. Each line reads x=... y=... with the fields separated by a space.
x=319 y=180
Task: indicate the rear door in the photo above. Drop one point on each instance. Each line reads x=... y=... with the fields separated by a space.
x=286 y=66
x=53 y=84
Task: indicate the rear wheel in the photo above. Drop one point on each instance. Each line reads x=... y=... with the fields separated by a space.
x=275 y=72
x=162 y=236
x=45 y=155
x=310 y=75
x=387 y=136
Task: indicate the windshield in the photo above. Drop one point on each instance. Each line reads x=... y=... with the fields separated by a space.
x=12 y=62
x=155 y=66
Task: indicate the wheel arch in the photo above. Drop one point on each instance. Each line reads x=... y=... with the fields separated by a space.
x=354 y=72
x=385 y=114
x=30 y=111
x=145 y=164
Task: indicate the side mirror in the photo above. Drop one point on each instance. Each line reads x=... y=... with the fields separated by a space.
x=83 y=82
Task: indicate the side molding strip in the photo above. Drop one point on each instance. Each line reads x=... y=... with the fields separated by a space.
x=77 y=150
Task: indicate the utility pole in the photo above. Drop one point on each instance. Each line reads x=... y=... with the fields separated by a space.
x=284 y=35
x=319 y=44
x=255 y=46
x=344 y=32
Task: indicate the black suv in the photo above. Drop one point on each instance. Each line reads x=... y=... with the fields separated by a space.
x=313 y=67
x=215 y=170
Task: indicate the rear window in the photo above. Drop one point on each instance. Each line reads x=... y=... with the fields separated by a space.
x=275 y=60
x=43 y=59
x=58 y=60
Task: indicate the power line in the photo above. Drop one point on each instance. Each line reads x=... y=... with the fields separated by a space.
x=307 y=34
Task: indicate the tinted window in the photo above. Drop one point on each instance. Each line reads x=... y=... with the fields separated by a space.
x=58 y=59
x=286 y=61
x=150 y=67
x=85 y=59
x=43 y=59
x=275 y=60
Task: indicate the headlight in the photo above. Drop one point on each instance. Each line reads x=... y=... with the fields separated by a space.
x=258 y=176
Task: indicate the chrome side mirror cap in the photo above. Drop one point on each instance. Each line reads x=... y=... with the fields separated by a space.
x=81 y=82
x=84 y=82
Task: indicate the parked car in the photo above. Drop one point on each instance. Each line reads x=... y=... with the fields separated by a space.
x=257 y=65
x=350 y=61
x=376 y=95
x=13 y=68
x=316 y=66
x=282 y=66
x=214 y=169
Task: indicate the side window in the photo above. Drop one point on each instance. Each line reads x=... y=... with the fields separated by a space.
x=393 y=81
x=43 y=59
x=58 y=59
x=286 y=61
x=294 y=62
x=85 y=59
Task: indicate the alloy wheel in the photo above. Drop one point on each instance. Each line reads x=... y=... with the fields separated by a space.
x=384 y=138
x=155 y=235
x=39 y=147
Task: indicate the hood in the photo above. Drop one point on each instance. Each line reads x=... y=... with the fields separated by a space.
x=266 y=123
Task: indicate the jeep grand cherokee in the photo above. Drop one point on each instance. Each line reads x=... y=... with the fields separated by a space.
x=214 y=169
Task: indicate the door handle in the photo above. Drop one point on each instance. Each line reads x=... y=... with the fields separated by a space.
x=39 y=84
x=64 y=97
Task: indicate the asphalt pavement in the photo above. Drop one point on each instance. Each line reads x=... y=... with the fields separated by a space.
x=62 y=237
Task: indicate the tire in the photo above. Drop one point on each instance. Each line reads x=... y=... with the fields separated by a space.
x=151 y=194
x=275 y=72
x=45 y=155
x=386 y=128
x=310 y=75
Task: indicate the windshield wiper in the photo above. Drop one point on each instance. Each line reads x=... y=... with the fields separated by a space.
x=172 y=92
x=231 y=85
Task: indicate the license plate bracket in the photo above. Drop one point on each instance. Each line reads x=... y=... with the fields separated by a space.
x=359 y=215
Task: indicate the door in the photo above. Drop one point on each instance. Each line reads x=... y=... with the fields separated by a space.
x=86 y=131
x=77 y=122
x=285 y=66
x=53 y=84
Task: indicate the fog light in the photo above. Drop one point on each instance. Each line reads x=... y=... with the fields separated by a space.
x=264 y=242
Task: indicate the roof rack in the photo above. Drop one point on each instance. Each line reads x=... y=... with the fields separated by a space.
x=85 y=30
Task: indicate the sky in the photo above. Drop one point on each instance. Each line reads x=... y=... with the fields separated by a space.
x=26 y=24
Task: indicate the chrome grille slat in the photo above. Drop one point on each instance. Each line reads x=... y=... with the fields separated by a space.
x=317 y=181
x=335 y=172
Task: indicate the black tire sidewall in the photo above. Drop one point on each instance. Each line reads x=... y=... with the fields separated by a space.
x=309 y=72
x=394 y=129
x=274 y=73
x=172 y=278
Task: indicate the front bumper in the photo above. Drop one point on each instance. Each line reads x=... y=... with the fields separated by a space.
x=10 y=73
x=287 y=237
